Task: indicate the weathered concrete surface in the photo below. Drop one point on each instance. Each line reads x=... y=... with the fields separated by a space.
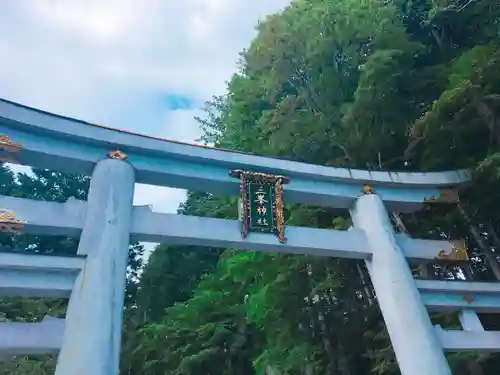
x=35 y=275
x=49 y=218
x=31 y=338
x=55 y=142
x=448 y=296
x=92 y=337
x=470 y=321
x=482 y=341
x=193 y=230
x=416 y=345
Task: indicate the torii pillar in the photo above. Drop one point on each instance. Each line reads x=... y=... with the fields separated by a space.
x=416 y=345
x=92 y=337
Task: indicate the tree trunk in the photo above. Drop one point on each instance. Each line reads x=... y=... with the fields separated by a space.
x=475 y=368
x=422 y=268
x=485 y=249
x=496 y=240
x=271 y=371
x=318 y=316
x=366 y=289
x=490 y=118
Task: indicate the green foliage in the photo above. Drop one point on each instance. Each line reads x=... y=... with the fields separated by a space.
x=407 y=84
x=345 y=83
x=370 y=84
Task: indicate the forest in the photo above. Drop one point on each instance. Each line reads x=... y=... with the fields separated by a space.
x=375 y=84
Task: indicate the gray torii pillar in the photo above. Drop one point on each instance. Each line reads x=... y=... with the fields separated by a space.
x=416 y=345
x=92 y=337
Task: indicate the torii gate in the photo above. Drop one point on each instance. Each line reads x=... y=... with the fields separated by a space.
x=88 y=339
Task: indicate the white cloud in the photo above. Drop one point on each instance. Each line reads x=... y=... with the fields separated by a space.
x=100 y=21
x=181 y=125
x=122 y=47
x=115 y=61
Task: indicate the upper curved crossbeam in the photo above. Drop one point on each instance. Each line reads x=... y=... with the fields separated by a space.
x=55 y=142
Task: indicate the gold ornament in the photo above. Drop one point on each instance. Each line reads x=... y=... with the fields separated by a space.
x=8 y=149
x=468 y=298
x=458 y=253
x=117 y=154
x=448 y=195
x=368 y=190
x=9 y=223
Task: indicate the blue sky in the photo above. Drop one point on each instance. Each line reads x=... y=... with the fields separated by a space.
x=144 y=66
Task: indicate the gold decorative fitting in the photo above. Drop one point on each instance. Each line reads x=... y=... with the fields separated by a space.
x=368 y=190
x=279 y=206
x=468 y=298
x=9 y=222
x=117 y=154
x=448 y=195
x=8 y=149
x=458 y=252
x=258 y=176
